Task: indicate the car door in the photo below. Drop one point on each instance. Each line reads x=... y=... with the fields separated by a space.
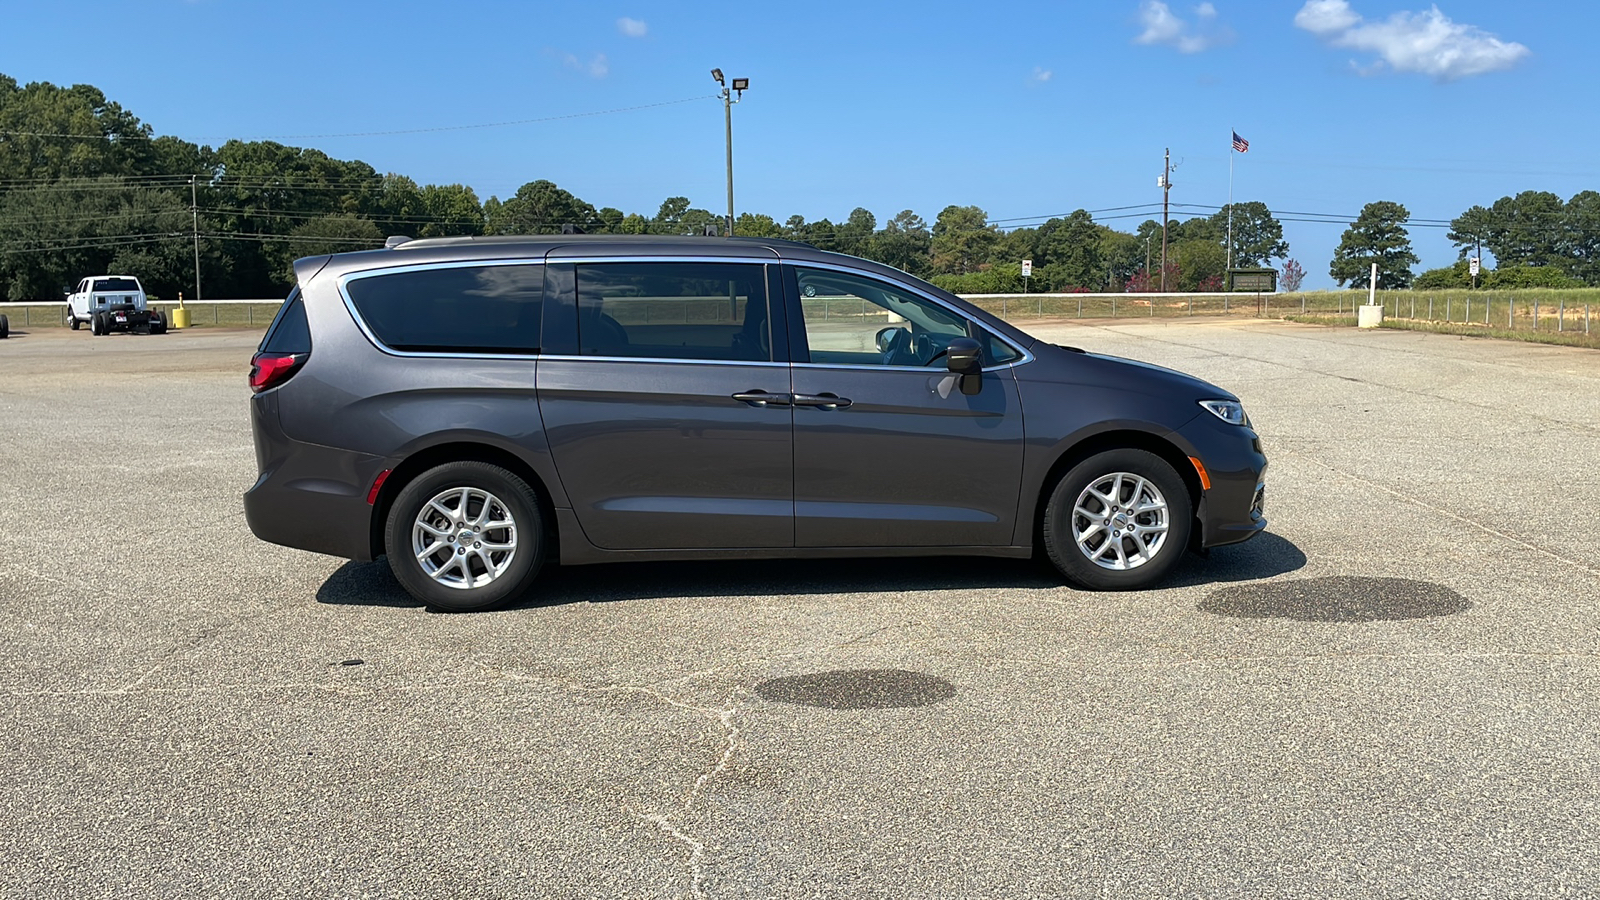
x=668 y=417
x=888 y=451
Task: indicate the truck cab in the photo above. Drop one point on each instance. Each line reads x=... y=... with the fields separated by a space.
x=113 y=303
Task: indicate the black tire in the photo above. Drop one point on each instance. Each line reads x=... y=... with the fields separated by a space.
x=521 y=565
x=97 y=324
x=1062 y=511
x=74 y=322
x=5 y=328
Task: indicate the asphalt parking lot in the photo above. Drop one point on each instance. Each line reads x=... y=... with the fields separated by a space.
x=1392 y=693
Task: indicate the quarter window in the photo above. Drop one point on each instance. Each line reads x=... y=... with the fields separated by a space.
x=463 y=309
x=854 y=320
x=674 y=310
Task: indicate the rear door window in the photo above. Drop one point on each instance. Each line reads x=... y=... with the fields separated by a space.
x=457 y=309
x=672 y=310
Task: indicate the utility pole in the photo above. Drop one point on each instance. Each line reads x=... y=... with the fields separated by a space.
x=194 y=214
x=1166 y=188
x=740 y=85
x=1477 y=251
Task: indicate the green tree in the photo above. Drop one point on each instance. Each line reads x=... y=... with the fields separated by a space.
x=540 y=207
x=450 y=210
x=905 y=243
x=53 y=234
x=1470 y=230
x=329 y=234
x=963 y=239
x=1581 y=247
x=1201 y=264
x=101 y=138
x=1072 y=250
x=669 y=218
x=1257 y=235
x=1377 y=236
x=1525 y=230
x=1448 y=277
x=855 y=232
x=757 y=225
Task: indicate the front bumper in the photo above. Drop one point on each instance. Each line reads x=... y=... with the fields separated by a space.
x=1234 y=508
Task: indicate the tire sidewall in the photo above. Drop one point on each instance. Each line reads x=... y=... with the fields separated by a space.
x=1063 y=550
x=526 y=511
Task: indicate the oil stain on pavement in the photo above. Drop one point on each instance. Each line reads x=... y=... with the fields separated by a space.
x=1338 y=598
x=858 y=689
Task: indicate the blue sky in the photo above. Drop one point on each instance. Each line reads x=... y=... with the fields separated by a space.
x=1025 y=109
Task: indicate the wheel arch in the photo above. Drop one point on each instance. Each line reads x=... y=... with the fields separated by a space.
x=1119 y=439
x=460 y=451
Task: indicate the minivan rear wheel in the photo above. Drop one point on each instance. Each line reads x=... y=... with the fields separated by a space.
x=1118 y=521
x=465 y=536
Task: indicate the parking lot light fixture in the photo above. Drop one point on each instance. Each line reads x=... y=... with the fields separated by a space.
x=739 y=86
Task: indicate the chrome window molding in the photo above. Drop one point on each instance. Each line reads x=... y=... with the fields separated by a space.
x=661 y=360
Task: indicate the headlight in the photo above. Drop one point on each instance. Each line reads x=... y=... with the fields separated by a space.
x=1230 y=411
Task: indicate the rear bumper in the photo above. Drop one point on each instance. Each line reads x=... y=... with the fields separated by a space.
x=1233 y=509
x=308 y=496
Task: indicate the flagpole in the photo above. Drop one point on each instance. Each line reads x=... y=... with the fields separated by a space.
x=1230 y=197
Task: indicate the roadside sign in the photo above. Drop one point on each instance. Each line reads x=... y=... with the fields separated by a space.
x=1472 y=265
x=1027 y=268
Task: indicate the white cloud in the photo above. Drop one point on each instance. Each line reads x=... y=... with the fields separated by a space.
x=597 y=67
x=1428 y=42
x=632 y=27
x=1325 y=16
x=1041 y=74
x=1162 y=27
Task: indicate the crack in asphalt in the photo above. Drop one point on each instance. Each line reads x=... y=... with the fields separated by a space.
x=668 y=823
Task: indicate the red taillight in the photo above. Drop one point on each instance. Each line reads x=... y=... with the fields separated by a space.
x=268 y=370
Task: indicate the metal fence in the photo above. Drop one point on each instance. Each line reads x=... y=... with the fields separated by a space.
x=231 y=313
x=1571 y=312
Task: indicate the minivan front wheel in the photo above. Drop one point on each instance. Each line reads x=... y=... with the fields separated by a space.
x=1119 y=520
x=465 y=536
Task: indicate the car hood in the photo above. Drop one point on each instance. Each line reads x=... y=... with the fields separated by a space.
x=1131 y=374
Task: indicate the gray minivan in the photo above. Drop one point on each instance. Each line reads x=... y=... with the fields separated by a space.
x=472 y=407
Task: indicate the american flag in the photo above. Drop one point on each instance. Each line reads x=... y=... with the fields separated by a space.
x=1240 y=144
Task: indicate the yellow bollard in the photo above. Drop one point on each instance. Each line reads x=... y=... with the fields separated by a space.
x=180 y=316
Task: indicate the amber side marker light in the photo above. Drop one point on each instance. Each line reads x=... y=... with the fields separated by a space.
x=1200 y=468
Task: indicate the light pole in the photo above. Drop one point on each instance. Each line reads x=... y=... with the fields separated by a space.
x=739 y=86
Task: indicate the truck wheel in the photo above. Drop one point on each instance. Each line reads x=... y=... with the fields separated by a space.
x=5 y=328
x=466 y=536
x=95 y=325
x=73 y=321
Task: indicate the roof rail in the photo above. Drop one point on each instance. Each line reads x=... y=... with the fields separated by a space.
x=394 y=241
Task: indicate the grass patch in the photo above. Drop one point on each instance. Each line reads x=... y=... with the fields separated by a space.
x=1464 y=329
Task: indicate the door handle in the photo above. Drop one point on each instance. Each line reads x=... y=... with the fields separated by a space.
x=762 y=399
x=824 y=400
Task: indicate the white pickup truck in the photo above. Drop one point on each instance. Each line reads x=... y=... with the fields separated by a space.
x=113 y=303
